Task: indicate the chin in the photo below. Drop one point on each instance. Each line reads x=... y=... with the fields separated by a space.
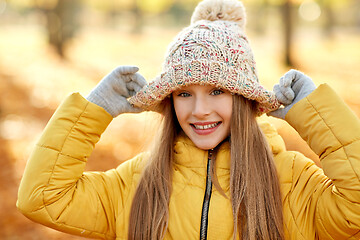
x=206 y=146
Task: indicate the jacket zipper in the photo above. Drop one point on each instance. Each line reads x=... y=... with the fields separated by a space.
x=206 y=201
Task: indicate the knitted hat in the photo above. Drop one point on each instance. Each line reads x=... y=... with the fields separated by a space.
x=213 y=50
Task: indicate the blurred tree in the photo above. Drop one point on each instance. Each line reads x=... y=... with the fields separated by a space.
x=138 y=8
x=329 y=22
x=138 y=19
x=152 y=7
x=262 y=15
x=285 y=10
x=288 y=32
x=181 y=11
x=331 y=9
x=61 y=21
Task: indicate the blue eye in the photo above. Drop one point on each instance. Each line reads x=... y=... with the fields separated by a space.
x=184 y=94
x=217 y=92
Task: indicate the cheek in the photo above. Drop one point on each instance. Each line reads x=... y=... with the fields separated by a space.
x=180 y=109
x=224 y=108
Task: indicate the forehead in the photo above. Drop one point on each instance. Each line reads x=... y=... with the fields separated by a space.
x=197 y=87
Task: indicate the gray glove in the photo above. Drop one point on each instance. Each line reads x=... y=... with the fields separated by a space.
x=112 y=91
x=293 y=87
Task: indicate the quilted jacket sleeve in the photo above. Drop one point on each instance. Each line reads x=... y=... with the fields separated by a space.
x=55 y=191
x=333 y=132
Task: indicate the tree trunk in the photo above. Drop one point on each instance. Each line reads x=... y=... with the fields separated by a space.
x=261 y=16
x=328 y=27
x=62 y=23
x=288 y=32
x=139 y=19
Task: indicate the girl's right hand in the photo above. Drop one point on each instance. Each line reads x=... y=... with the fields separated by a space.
x=112 y=91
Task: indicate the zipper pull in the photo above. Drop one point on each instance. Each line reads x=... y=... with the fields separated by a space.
x=210 y=152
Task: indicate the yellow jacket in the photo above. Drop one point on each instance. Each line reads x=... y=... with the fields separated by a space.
x=55 y=190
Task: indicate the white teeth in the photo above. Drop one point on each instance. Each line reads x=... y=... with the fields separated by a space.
x=204 y=127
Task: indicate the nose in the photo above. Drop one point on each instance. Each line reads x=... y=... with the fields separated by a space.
x=201 y=107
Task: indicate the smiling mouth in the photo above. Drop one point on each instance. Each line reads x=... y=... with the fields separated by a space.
x=206 y=126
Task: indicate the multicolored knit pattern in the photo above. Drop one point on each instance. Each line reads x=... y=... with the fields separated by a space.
x=215 y=53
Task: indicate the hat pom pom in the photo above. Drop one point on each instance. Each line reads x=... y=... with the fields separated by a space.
x=227 y=10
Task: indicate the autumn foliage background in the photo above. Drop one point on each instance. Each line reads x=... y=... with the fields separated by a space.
x=49 y=49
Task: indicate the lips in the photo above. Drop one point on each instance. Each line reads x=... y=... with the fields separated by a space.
x=204 y=128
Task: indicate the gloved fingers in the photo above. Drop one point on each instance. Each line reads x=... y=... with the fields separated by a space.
x=279 y=113
x=304 y=88
x=286 y=80
x=290 y=77
x=121 y=88
x=129 y=108
x=132 y=93
x=124 y=70
x=283 y=98
x=288 y=92
x=297 y=86
x=133 y=86
x=121 y=105
x=296 y=76
x=138 y=78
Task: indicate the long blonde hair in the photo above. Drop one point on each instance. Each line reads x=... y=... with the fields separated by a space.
x=254 y=187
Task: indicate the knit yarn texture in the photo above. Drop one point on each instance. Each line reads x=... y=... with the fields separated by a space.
x=209 y=52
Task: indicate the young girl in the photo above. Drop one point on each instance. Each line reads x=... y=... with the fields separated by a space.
x=218 y=171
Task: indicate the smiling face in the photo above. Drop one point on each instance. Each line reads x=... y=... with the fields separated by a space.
x=204 y=114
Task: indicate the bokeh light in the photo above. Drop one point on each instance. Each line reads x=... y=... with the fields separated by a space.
x=309 y=10
x=13 y=127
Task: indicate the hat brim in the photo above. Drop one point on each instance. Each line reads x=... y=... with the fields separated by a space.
x=238 y=81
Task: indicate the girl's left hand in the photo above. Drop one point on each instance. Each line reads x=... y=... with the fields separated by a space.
x=293 y=87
